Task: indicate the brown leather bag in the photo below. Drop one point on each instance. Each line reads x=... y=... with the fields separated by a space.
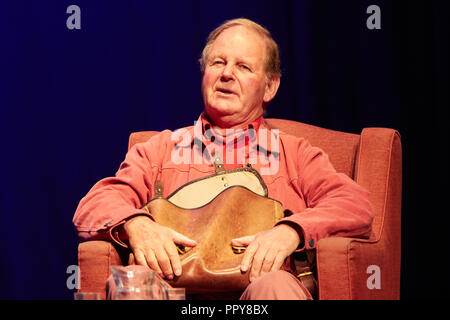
x=212 y=211
x=214 y=265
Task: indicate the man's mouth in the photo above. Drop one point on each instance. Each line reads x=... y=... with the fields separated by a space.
x=224 y=91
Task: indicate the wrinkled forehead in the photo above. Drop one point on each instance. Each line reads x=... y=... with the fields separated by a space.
x=239 y=41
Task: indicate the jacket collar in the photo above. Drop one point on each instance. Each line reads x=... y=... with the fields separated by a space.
x=203 y=133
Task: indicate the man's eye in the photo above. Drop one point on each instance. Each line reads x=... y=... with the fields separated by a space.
x=243 y=66
x=217 y=62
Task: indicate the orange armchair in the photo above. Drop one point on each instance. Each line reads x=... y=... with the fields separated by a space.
x=347 y=268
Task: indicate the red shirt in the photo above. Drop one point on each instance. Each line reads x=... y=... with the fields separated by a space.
x=324 y=203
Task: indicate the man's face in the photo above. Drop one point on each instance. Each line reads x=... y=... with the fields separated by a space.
x=234 y=85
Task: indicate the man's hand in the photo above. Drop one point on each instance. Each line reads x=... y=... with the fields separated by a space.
x=153 y=245
x=267 y=250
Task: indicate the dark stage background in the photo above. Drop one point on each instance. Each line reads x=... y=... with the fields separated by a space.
x=70 y=98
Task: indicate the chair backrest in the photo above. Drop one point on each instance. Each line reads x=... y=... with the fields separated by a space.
x=139 y=137
x=341 y=147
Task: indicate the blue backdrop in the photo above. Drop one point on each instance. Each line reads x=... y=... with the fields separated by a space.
x=69 y=98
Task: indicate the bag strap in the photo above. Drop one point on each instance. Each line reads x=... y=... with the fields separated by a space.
x=218 y=162
x=302 y=265
x=158 y=191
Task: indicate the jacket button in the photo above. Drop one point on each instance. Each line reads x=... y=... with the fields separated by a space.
x=311 y=242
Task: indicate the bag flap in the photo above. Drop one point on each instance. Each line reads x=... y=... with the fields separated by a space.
x=198 y=193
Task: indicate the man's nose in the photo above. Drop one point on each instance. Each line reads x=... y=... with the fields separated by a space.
x=227 y=73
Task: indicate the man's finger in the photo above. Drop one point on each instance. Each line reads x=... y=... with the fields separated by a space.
x=257 y=263
x=243 y=241
x=164 y=263
x=140 y=258
x=152 y=262
x=269 y=259
x=179 y=238
x=248 y=256
x=174 y=257
x=278 y=262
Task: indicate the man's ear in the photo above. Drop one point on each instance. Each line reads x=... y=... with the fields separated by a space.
x=271 y=88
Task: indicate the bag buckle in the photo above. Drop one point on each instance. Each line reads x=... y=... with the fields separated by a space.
x=304 y=274
x=238 y=249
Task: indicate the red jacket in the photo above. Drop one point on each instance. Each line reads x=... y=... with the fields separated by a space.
x=324 y=203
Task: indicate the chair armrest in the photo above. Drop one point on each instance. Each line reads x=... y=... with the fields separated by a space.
x=343 y=263
x=94 y=259
x=343 y=270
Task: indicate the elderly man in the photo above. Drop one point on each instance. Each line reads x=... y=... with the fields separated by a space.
x=240 y=76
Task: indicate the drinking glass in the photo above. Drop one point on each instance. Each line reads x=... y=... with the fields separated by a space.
x=134 y=293
x=138 y=283
x=177 y=293
x=87 y=296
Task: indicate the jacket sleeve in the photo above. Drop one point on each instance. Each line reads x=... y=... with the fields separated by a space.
x=114 y=199
x=336 y=204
